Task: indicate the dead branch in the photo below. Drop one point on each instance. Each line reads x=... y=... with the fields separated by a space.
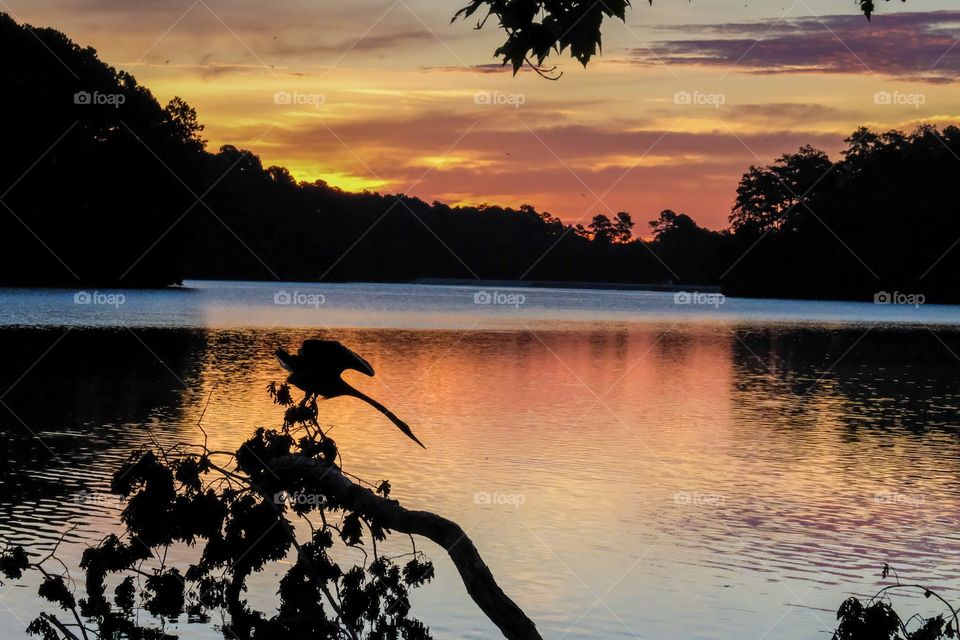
x=478 y=580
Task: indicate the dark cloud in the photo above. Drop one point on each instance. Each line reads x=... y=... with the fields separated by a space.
x=793 y=110
x=493 y=67
x=907 y=46
x=376 y=43
x=796 y=115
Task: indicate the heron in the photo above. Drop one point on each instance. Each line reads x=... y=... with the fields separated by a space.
x=317 y=369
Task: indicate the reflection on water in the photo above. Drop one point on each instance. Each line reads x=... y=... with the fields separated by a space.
x=625 y=480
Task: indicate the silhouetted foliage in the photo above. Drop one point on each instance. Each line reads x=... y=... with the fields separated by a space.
x=95 y=175
x=606 y=231
x=601 y=229
x=882 y=218
x=772 y=197
x=623 y=227
x=691 y=251
x=238 y=511
x=877 y=620
x=318 y=232
x=537 y=28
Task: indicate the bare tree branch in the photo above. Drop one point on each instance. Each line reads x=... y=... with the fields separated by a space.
x=480 y=584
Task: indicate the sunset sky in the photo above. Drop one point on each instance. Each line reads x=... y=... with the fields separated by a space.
x=382 y=94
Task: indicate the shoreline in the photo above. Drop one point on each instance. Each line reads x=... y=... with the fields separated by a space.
x=450 y=282
x=562 y=284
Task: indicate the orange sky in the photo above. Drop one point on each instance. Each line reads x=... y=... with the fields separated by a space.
x=388 y=95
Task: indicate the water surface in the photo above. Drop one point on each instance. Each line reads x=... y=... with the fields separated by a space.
x=629 y=467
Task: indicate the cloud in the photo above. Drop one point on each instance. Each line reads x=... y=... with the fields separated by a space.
x=906 y=46
x=793 y=111
x=475 y=68
x=367 y=43
x=492 y=67
x=794 y=116
x=562 y=168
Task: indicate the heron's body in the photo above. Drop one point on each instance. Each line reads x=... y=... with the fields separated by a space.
x=316 y=375
x=317 y=369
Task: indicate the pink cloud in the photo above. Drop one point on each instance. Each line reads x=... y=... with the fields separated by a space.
x=906 y=46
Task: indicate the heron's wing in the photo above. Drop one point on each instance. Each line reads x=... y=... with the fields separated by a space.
x=334 y=354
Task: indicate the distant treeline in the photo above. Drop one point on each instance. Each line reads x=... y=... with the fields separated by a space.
x=102 y=185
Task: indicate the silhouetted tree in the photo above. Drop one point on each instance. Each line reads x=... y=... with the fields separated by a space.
x=601 y=229
x=769 y=196
x=98 y=179
x=881 y=219
x=623 y=227
x=319 y=232
x=239 y=510
x=688 y=249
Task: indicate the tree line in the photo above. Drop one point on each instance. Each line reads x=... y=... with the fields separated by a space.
x=103 y=185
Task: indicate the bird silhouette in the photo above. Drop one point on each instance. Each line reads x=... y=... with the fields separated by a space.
x=317 y=369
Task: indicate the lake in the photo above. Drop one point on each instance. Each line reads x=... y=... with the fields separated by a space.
x=630 y=464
